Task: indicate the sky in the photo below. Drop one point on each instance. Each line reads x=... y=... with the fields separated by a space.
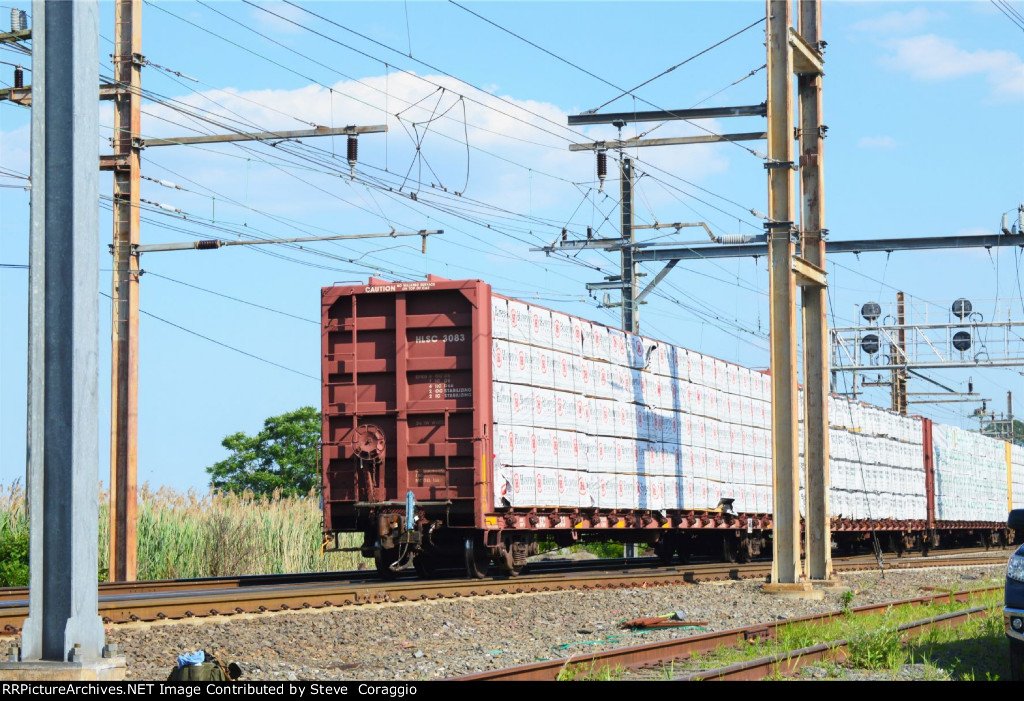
x=922 y=100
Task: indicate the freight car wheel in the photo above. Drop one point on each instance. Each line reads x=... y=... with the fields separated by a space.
x=425 y=566
x=383 y=559
x=478 y=559
x=665 y=549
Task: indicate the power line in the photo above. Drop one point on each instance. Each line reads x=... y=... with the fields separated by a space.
x=233 y=299
x=681 y=63
x=221 y=344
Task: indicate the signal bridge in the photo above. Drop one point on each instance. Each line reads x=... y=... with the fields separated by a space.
x=923 y=334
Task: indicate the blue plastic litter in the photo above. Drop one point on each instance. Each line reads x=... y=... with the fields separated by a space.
x=191 y=658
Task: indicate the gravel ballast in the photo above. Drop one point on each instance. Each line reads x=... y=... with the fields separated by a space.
x=445 y=638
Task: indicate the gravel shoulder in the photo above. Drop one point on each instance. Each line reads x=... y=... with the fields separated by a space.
x=438 y=639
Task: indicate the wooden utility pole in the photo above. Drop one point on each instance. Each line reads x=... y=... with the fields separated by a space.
x=124 y=374
x=811 y=137
x=782 y=297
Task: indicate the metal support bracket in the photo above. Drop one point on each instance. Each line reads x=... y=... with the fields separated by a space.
x=768 y=165
x=807 y=59
x=808 y=274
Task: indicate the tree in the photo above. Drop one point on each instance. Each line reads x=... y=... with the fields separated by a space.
x=283 y=456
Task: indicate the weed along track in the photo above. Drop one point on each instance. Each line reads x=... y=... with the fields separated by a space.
x=869 y=635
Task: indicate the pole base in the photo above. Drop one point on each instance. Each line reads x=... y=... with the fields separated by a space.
x=111 y=669
x=793 y=590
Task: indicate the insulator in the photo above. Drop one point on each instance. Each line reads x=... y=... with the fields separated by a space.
x=19 y=78
x=353 y=151
x=565 y=234
x=590 y=233
x=735 y=238
x=207 y=244
x=19 y=20
x=602 y=165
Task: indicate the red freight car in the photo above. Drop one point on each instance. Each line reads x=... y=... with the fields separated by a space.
x=409 y=445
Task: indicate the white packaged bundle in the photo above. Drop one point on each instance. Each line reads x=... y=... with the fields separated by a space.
x=502 y=403
x=626 y=453
x=607 y=453
x=500 y=361
x=732 y=378
x=670 y=427
x=686 y=461
x=524 y=486
x=524 y=447
x=504 y=445
x=521 y=405
x=562 y=371
x=714 y=464
x=668 y=391
x=565 y=410
x=568 y=491
x=638 y=386
x=603 y=384
x=582 y=337
x=617 y=352
x=566 y=449
x=605 y=490
x=561 y=332
x=671 y=465
x=671 y=486
x=622 y=385
x=541 y=368
x=635 y=352
x=546 y=484
x=540 y=327
x=499 y=317
x=625 y=421
x=543 y=407
x=585 y=417
x=599 y=343
x=626 y=491
x=588 y=457
x=642 y=421
x=656 y=493
x=583 y=376
x=520 y=364
x=698 y=431
x=604 y=417
x=544 y=451
x=518 y=321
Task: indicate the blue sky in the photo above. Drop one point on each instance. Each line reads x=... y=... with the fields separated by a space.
x=923 y=103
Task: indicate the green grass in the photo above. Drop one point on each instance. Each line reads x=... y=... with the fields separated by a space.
x=196 y=535
x=876 y=645
x=590 y=672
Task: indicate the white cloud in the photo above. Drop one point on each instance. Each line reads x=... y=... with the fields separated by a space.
x=898 y=22
x=932 y=58
x=884 y=142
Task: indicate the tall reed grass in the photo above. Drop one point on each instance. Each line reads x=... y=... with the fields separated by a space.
x=206 y=535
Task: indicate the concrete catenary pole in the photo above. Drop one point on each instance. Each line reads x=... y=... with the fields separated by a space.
x=811 y=135
x=63 y=449
x=782 y=297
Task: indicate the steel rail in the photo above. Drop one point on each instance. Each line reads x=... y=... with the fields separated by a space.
x=789 y=662
x=276 y=593
x=669 y=651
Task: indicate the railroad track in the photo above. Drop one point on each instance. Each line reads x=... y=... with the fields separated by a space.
x=659 y=655
x=180 y=599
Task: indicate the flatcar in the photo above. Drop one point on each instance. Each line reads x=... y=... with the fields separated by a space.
x=461 y=427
